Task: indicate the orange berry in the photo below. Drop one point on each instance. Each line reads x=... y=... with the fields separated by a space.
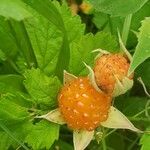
x=107 y=67
x=82 y=107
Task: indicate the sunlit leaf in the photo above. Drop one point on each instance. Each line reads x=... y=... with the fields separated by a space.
x=15 y=9
x=118 y=7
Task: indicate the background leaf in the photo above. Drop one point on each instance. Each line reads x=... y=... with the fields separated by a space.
x=13 y=9
x=43 y=89
x=142 y=51
x=82 y=51
x=43 y=135
x=46 y=41
x=118 y=7
x=145 y=141
x=9 y=47
x=49 y=11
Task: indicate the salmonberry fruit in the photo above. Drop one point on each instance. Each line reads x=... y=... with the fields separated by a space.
x=107 y=68
x=82 y=107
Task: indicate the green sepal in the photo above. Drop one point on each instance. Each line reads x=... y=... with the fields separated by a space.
x=122 y=87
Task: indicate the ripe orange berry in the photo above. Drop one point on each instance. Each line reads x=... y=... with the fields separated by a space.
x=82 y=107
x=107 y=67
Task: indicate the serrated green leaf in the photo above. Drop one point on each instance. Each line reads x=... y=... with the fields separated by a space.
x=71 y=27
x=43 y=135
x=48 y=10
x=15 y=9
x=144 y=141
x=46 y=41
x=118 y=7
x=142 y=51
x=43 y=89
x=74 y=27
x=73 y=30
x=136 y=23
x=82 y=51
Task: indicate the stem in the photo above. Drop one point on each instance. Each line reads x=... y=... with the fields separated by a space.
x=141 y=112
x=133 y=143
x=139 y=119
x=103 y=141
x=112 y=131
x=126 y=28
x=104 y=144
x=144 y=87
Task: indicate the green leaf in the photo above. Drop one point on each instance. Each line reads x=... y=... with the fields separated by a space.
x=142 y=51
x=12 y=85
x=49 y=11
x=43 y=135
x=20 y=34
x=118 y=7
x=73 y=30
x=5 y=141
x=13 y=9
x=82 y=51
x=63 y=145
x=15 y=135
x=136 y=23
x=130 y=106
x=11 y=112
x=46 y=41
x=12 y=80
x=21 y=63
x=144 y=141
x=14 y=121
x=73 y=24
x=2 y=56
x=143 y=71
x=70 y=26
x=43 y=89
x=9 y=47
